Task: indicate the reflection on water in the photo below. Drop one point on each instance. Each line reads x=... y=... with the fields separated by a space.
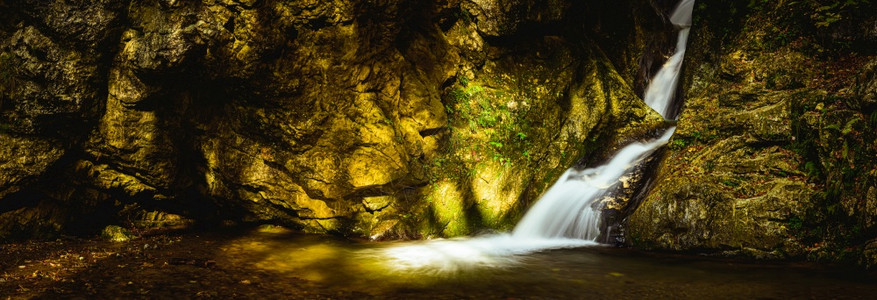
x=444 y=257
x=500 y=267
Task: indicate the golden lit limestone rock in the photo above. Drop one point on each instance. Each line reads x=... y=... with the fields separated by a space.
x=24 y=159
x=115 y=233
x=325 y=116
x=371 y=167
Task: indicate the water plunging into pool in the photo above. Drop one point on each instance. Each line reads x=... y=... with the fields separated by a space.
x=568 y=214
x=571 y=208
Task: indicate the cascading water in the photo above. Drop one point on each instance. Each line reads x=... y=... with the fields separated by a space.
x=661 y=91
x=570 y=208
x=568 y=214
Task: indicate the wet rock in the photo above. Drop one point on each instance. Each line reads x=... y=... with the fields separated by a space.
x=502 y=17
x=157 y=220
x=17 y=169
x=871 y=208
x=869 y=258
x=866 y=88
x=116 y=234
x=772 y=158
x=707 y=216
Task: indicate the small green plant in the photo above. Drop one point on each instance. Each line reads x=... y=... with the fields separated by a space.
x=678 y=144
x=459 y=95
x=825 y=14
x=832 y=127
x=730 y=183
x=833 y=209
x=487 y=118
x=795 y=223
x=812 y=170
x=464 y=81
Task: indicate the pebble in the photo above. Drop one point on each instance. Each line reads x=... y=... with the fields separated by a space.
x=22 y=267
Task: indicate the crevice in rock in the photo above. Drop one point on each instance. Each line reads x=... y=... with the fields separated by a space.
x=432 y=131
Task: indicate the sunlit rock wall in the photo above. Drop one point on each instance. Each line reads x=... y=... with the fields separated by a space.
x=371 y=118
x=776 y=147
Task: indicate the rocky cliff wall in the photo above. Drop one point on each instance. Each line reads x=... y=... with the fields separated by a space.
x=775 y=152
x=373 y=118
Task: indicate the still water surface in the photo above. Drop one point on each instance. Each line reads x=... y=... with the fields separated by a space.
x=592 y=272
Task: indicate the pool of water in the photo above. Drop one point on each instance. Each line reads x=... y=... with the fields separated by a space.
x=495 y=267
x=273 y=263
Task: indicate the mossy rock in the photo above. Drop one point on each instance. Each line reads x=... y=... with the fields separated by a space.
x=116 y=233
x=774 y=149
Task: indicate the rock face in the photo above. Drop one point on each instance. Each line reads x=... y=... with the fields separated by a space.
x=371 y=118
x=776 y=149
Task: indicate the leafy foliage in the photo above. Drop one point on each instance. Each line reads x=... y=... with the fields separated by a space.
x=486 y=113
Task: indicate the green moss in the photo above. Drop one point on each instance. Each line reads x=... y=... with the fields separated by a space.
x=730 y=183
x=490 y=121
x=795 y=223
x=812 y=170
x=678 y=143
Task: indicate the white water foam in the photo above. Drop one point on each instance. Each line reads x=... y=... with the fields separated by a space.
x=442 y=256
x=568 y=214
x=570 y=208
x=564 y=217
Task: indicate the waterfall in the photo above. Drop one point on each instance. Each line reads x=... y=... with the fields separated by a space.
x=662 y=89
x=571 y=207
x=568 y=214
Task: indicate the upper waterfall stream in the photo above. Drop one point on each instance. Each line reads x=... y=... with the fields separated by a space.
x=568 y=214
